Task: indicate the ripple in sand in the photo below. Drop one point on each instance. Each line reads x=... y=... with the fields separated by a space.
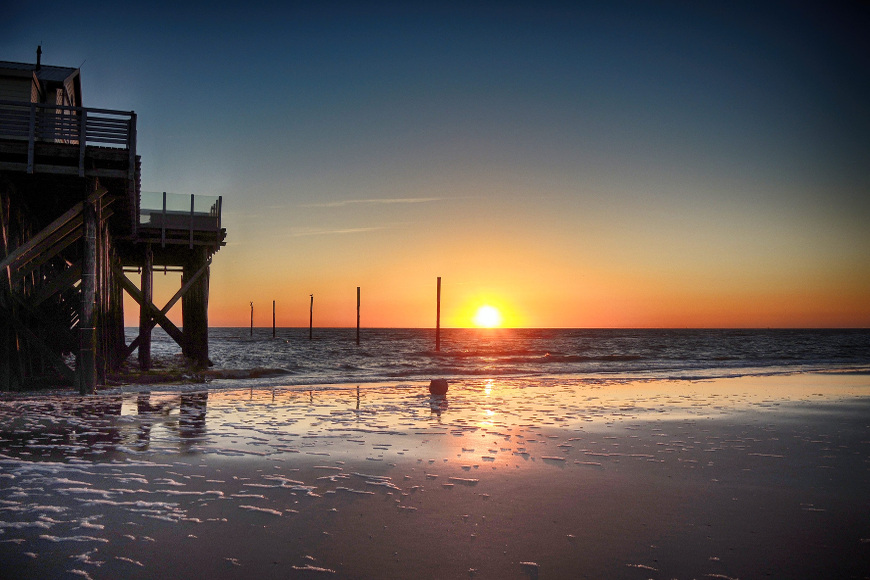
x=310 y=568
x=464 y=480
x=73 y=539
x=261 y=509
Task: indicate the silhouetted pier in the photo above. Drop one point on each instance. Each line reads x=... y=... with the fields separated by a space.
x=74 y=224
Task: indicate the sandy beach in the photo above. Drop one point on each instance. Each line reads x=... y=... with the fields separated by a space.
x=746 y=477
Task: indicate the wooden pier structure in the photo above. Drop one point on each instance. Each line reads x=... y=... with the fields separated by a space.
x=74 y=224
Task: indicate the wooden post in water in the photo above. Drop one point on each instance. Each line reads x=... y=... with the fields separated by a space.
x=311 y=319
x=273 y=319
x=357 y=315
x=194 y=307
x=144 y=313
x=438 y=319
x=252 y=319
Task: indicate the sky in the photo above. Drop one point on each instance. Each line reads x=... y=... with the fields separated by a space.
x=613 y=164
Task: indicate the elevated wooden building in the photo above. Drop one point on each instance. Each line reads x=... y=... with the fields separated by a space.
x=73 y=224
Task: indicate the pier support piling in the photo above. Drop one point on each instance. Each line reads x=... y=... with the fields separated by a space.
x=194 y=307
x=145 y=325
x=87 y=329
x=438 y=319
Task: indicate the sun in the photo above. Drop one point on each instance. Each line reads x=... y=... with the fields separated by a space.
x=487 y=317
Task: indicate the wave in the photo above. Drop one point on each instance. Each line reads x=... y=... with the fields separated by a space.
x=408 y=354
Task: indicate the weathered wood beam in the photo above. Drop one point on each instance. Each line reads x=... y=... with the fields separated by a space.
x=64 y=170
x=194 y=308
x=87 y=361
x=137 y=342
x=187 y=286
x=161 y=319
x=51 y=247
x=61 y=240
x=61 y=282
x=54 y=244
x=46 y=232
x=146 y=324
x=8 y=338
x=52 y=357
x=33 y=243
x=204 y=238
x=63 y=333
x=117 y=315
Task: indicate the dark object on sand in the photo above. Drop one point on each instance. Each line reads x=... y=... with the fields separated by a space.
x=438 y=387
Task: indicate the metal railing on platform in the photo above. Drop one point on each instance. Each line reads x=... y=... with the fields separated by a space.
x=174 y=212
x=38 y=122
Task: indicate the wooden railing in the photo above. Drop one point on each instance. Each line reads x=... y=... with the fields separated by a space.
x=36 y=122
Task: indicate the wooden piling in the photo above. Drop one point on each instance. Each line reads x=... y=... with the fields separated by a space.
x=194 y=307
x=438 y=319
x=311 y=319
x=102 y=297
x=252 y=319
x=116 y=307
x=87 y=330
x=144 y=312
x=273 y=319
x=7 y=336
x=357 y=315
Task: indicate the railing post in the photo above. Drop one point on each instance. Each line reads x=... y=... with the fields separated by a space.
x=219 y=207
x=191 y=221
x=83 y=138
x=131 y=146
x=163 y=224
x=31 y=137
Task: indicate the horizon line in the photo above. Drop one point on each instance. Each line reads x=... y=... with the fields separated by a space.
x=546 y=327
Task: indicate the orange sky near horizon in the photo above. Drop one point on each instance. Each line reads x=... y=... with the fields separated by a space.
x=527 y=298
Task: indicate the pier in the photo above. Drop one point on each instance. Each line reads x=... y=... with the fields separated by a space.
x=76 y=232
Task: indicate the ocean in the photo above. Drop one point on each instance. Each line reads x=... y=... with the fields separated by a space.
x=332 y=356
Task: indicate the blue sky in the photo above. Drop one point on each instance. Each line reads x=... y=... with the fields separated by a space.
x=649 y=164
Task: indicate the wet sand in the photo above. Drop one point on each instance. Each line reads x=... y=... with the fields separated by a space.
x=731 y=478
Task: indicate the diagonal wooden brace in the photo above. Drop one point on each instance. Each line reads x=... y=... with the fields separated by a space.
x=63 y=333
x=60 y=283
x=46 y=351
x=31 y=248
x=156 y=314
x=172 y=301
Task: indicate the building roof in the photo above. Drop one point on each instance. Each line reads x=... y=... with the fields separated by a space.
x=46 y=73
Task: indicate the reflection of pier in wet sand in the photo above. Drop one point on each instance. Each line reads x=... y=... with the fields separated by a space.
x=191 y=412
x=106 y=426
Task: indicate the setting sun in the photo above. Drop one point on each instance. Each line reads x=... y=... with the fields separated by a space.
x=487 y=317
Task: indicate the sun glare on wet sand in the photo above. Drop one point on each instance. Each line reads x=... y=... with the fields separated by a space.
x=487 y=317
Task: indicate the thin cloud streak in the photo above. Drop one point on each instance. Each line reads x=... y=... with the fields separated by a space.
x=404 y=200
x=298 y=234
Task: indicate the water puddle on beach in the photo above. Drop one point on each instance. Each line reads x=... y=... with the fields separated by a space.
x=497 y=479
